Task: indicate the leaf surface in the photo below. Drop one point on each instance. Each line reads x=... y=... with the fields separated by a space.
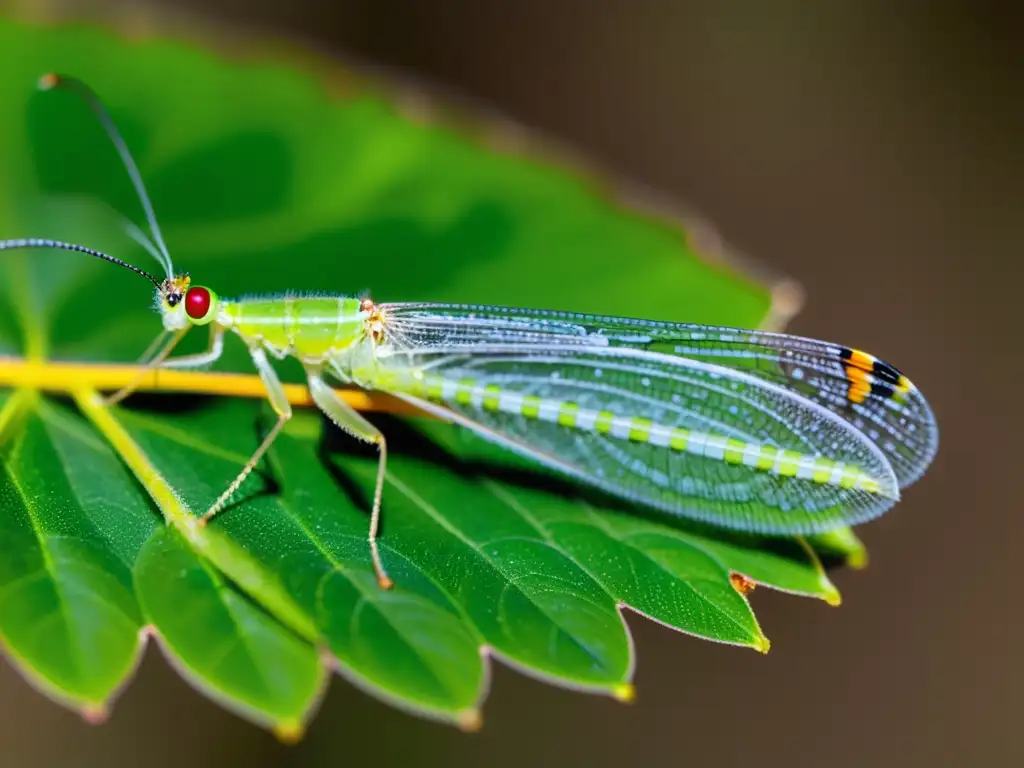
x=68 y=612
x=225 y=645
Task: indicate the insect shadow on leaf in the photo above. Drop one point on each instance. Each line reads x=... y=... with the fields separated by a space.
x=182 y=405
x=462 y=454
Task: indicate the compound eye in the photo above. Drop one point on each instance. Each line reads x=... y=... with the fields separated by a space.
x=198 y=302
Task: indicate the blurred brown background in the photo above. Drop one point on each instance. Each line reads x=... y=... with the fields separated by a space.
x=874 y=152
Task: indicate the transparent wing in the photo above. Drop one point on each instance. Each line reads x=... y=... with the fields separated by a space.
x=867 y=393
x=612 y=416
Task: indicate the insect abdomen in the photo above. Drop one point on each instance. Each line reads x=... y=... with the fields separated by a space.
x=757 y=455
x=309 y=328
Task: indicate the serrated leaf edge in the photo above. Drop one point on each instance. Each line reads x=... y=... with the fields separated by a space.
x=14 y=409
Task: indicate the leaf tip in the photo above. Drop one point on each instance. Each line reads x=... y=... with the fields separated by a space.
x=625 y=693
x=832 y=596
x=841 y=544
x=470 y=720
x=762 y=644
x=289 y=732
x=741 y=583
x=858 y=558
x=95 y=714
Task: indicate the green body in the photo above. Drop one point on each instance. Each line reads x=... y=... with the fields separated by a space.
x=337 y=332
x=313 y=329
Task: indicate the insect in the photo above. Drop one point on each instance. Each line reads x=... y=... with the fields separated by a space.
x=748 y=430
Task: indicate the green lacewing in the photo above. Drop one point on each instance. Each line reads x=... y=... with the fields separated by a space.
x=749 y=430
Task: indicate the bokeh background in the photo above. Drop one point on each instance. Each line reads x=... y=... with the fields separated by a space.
x=874 y=152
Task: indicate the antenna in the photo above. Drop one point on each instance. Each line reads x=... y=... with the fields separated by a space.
x=35 y=242
x=53 y=80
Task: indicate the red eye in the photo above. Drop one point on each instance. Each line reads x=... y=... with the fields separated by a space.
x=197 y=302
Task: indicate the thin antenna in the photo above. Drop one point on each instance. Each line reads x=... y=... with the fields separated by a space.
x=35 y=242
x=139 y=237
x=51 y=81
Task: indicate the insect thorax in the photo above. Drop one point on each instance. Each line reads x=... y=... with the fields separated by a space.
x=312 y=329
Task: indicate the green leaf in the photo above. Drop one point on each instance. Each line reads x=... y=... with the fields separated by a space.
x=227 y=646
x=409 y=643
x=842 y=545
x=268 y=177
x=68 y=613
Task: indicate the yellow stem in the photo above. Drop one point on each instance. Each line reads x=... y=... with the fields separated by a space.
x=70 y=377
x=233 y=559
x=174 y=510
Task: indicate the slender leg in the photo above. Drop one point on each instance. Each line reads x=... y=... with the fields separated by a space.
x=198 y=360
x=130 y=387
x=154 y=345
x=342 y=414
x=283 y=409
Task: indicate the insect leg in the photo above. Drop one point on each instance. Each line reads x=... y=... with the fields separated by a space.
x=131 y=386
x=198 y=360
x=154 y=345
x=283 y=409
x=342 y=414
